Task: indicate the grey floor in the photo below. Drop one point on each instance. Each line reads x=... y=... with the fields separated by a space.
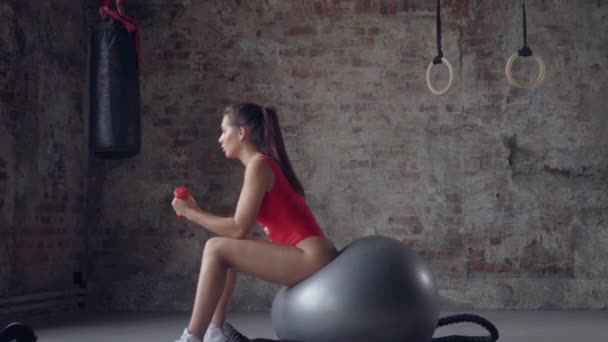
x=516 y=326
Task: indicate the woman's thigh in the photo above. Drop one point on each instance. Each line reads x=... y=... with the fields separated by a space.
x=268 y=261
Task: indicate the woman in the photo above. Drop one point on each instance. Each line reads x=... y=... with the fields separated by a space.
x=271 y=195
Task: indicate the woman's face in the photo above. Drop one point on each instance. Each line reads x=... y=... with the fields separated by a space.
x=229 y=140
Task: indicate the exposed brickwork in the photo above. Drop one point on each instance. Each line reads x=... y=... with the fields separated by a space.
x=502 y=190
x=491 y=184
x=42 y=146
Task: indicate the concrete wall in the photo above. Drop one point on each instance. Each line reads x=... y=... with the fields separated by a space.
x=502 y=190
x=43 y=152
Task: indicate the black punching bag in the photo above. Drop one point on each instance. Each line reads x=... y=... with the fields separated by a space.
x=114 y=113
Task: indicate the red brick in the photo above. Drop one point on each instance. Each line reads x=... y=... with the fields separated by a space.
x=448 y=254
x=409 y=5
x=457 y=9
x=181 y=142
x=506 y=267
x=172 y=132
x=247 y=64
x=319 y=8
x=364 y=107
x=367 y=96
x=183 y=55
x=191 y=132
x=346 y=108
x=365 y=41
x=52 y=207
x=495 y=241
x=389 y=7
x=317 y=52
x=166 y=55
x=479 y=266
x=300 y=73
x=412 y=222
x=162 y=122
x=364 y=6
x=489 y=75
x=319 y=74
x=474 y=254
x=360 y=31
x=301 y=31
x=373 y=31
x=555 y=270
x=312 y=117
x=361 y=62
x=287 y=52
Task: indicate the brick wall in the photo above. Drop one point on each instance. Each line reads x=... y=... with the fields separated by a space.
x=42 y=149
x=502 y=190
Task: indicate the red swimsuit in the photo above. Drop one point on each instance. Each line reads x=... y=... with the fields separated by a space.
x=284 y=213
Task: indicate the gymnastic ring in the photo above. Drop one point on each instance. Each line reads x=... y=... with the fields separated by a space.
x=428 y=78
x=539 y=78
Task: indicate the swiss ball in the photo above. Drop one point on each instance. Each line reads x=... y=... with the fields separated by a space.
x=376 y=289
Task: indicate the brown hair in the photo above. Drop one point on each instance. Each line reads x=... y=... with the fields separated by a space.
x=263 y=125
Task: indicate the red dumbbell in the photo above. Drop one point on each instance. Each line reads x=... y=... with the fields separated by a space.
x=182 y=193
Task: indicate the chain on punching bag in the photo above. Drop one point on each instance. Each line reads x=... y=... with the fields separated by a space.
x=114 y=113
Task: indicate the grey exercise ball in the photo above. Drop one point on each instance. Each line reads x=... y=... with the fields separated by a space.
x=377 y=289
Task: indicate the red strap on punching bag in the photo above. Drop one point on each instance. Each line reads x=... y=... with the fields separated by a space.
x=119 y=14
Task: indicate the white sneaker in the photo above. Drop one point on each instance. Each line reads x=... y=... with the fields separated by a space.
x=214 y=334
x=188 y=337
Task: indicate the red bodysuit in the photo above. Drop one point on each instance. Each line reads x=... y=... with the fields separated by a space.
x=284 y=213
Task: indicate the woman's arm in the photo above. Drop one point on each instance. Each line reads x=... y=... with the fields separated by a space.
x=222 y=226
x=258 y=177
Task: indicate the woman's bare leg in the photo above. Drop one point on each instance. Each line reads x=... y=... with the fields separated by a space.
x=274 y=263
x=211 y=282
x=219 y=316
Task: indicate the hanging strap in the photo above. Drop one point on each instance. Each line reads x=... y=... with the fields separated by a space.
x=437 y=59
x=129 y=23
x=106 y=9
x=524 y=51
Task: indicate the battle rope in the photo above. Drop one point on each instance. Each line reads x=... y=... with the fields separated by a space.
x=439 y=59
x=443 y=321
x=525 y=51
x=232 y=335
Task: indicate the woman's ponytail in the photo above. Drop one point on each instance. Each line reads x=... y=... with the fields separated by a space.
x=275 y=147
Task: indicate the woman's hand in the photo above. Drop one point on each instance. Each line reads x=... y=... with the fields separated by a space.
x=182 y=206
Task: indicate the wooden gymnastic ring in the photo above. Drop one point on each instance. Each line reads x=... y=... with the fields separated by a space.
x=428 y=78
x=539 y=79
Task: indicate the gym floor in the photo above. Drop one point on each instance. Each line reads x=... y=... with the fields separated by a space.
x=516 y=326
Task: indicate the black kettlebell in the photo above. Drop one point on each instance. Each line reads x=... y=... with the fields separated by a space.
x=17 y=332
